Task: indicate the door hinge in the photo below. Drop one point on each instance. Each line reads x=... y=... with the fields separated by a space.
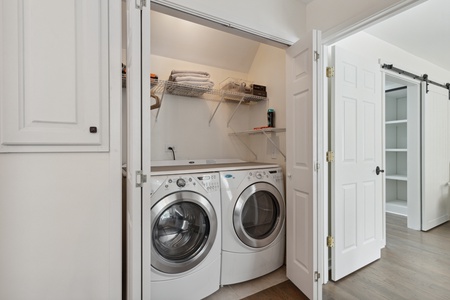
x=330 y=241
x=141 y=4
x=316 y=276
x=316 y=56
x=141 y=178
x=330 y=72
x=330 y=156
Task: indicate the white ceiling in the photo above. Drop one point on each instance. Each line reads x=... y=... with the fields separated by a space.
x=183 y=40
x=423 y=31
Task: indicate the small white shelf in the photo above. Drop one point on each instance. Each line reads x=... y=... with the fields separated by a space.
x=396 y=122
x=399 y=207
x=396 y=150
x=397 y=177
x=264 y=131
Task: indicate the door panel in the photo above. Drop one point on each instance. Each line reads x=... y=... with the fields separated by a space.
x=138 y=151
x=357 y=198
x=67 y=109
x=435 y=160
x=301 y=200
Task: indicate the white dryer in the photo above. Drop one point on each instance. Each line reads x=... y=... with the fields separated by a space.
x=185 y=235
x=253 y=223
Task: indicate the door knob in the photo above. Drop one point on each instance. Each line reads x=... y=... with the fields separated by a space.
x=378 y=170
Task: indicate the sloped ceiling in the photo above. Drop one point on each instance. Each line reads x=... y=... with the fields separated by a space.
x=424 y=31
x=179 y=39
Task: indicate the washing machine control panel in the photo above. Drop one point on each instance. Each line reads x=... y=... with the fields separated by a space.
x=209 y=182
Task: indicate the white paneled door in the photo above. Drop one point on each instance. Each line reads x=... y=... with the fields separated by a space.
x=435 y=156
x=356 y=191
x=302 y=197
x=54 y=70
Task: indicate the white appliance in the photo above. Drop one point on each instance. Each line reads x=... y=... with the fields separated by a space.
x=253 y=222
x=185 y=235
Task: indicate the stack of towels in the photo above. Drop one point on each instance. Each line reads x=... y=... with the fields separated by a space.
x=189 y=83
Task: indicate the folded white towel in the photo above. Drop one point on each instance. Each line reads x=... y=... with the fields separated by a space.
x=203 y=84
x=190 y=72
x=189 y=78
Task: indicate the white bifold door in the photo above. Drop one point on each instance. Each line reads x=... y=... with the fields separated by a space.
x=435 y=156
x=301 y=195
x=138 y=150
x=356 y=185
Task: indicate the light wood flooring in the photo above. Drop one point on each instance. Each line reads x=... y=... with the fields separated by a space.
x=414 y=265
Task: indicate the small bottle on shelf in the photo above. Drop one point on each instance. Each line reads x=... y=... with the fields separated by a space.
x=271 y=117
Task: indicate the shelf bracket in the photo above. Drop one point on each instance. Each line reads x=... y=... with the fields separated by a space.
x=217 y=107
x=269 y=138
x=234 y=111
x=244 y=143
x=160 y=103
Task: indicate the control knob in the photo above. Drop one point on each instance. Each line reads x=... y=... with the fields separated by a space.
x=258 y=175
x=181 y=182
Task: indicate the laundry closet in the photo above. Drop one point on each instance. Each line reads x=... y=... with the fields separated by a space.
x=212 y=125
x=214 y=119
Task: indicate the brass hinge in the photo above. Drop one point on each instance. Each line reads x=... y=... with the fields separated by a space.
x=316 y=276
x=330 y=72
x=316 y=56
x=330 y=241
x=330 y=156
x=141 y=178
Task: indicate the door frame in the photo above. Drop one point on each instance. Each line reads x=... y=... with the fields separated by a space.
x=329 y=38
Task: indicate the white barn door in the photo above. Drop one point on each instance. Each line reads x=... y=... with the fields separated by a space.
x=301 y=130
x=435 y=156
x=356 y=138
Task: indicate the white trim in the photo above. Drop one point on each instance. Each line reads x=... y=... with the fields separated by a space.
x=210 y=21
x=351 y=26
x=115 y=154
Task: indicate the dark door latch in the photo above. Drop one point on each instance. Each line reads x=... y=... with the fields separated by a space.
x=378 y=170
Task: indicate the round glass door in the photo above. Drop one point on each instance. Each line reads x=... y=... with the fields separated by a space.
x=259 y=215
x=184 y=227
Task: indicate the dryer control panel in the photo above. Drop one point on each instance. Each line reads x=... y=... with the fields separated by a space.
x=275 y=174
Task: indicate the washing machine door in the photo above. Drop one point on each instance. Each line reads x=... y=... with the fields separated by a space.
x=258 y=215
x=184 y=227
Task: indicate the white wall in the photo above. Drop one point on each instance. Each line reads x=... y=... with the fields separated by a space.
x=331 y=15
x=268 y=68
x=55 y=212
x=370 y=46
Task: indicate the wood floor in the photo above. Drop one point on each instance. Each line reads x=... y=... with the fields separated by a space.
x=281 y=291
x=414 y=265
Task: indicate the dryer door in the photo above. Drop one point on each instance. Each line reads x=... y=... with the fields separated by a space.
x=184 y=228
x=258 y=215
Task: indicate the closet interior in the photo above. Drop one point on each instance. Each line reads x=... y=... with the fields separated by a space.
x=402 y=150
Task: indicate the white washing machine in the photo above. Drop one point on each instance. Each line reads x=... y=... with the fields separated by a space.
x=186 y=235
x=253 y=223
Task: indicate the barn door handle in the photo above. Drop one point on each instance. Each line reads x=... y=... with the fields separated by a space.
x=378 y=170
